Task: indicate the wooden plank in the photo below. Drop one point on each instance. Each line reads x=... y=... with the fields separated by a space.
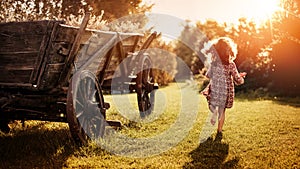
x=23 y=51
x=106 y=64
x=137 y=38
x=75 y=48
x=45 y=50
x=18 y=59
x=102 y=53
x=17 y=68
x=128 y=49
x=15 y=76
x=23 y=28
x=16 y=84
x=12 y=68
x=149 y=41
x=65 y=34
x=122 y=55
x=56 y=67
x=68 y=34
x=76 y=44
x=52 y=72
x=20 y=43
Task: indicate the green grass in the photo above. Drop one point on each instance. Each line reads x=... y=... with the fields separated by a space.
x=258 y=133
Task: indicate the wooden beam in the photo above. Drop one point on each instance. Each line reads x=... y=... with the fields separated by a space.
x=41 y=60
x=74 y=50
x=149 y=41
x=107 y=61
x=122 y=56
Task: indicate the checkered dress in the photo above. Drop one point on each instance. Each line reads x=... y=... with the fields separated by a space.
x=221 y=87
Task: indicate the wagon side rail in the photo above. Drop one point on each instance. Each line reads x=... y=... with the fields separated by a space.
x=67 y=70
x=24 y=48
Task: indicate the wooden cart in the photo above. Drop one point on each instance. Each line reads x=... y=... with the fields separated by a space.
x=54 y=72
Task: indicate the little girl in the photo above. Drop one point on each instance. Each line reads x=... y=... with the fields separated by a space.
x=223 y=74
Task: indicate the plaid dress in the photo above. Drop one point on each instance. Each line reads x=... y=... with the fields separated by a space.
x=220 y=91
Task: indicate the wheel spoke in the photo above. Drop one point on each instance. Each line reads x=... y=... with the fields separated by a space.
x=79 y=103
x=94 y=128
x=98 y=117
x=81 y=120
x=79 y=114
x=93 y=96
x=86 y=125
x=80 y=92
x=88 y=88
x=83 y=89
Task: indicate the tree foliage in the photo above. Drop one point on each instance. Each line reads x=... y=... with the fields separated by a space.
x=269 y=52
x=187 y=48
x=285 y=60
x=114 y=15
x=164 y=61
x=20 y=10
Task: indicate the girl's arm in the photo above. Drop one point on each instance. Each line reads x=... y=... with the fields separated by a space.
x=209 y=73
x=238 y=78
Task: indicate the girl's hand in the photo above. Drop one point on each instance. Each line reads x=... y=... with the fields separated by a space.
x=243 y=74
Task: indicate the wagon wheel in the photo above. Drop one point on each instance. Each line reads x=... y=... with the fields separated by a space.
x=145 y=87
x=85 y=108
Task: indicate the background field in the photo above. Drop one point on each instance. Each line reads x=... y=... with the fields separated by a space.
x=258 y=133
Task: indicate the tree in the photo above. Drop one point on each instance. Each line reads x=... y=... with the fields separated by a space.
x=164 y=61
x=285 y=60
x=254 y=51
x=188 y=46
x=21 y=10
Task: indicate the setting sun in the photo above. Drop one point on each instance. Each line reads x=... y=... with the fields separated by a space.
x=261 y=10
x=219 y=10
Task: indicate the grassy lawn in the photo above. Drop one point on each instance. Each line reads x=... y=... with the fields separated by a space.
x=258 y=133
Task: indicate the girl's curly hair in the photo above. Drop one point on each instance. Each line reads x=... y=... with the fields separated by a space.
x=225 y=47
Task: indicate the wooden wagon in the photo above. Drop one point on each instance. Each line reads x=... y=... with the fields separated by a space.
x=54 y=72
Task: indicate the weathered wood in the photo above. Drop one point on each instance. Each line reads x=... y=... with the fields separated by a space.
x=75 y=48
x=15 y=76
x=18 y=59
x=67 y=33
x=23 y=28
x=41 y=59
x=17 y=68
x=20 y=43
x=149 y=41
x=51 y=75
x=106 y=64
x=22 y=52
x=42 y=71
x=14 y=84
x=36 y=63
x=122 y=56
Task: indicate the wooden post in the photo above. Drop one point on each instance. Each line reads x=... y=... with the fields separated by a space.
x=74 y=50
x=149 y=40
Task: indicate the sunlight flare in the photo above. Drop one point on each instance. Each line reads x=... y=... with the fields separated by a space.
x=261 y=11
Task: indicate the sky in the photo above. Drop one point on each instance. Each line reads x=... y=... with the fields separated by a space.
x=222 y=11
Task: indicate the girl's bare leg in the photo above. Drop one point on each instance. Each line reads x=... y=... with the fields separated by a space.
x=221 y=119
x=214 y=110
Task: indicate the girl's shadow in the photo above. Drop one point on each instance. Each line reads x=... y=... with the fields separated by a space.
x=211 y=154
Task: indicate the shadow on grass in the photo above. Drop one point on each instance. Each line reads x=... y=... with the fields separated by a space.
x=276 y=98
x=211 y=154
x=36 y=148
x=294 y=102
